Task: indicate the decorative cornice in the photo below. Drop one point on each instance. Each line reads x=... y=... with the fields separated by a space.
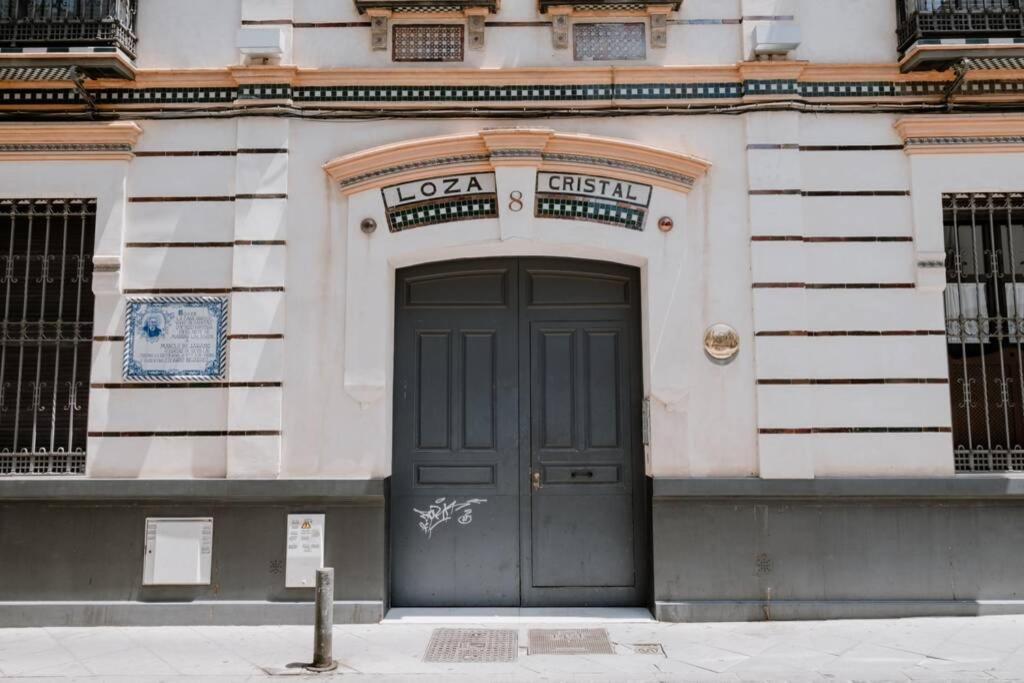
x=68 y=141
x=962 y=134
x=536 y=88
x=539 y=147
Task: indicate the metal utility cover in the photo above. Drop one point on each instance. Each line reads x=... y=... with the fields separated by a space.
x=570 y=641
x=472 y=645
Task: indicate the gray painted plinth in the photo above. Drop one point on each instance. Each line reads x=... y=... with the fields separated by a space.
x=816 y=610
x=739 y=550
x=199 y=613
x=68 y=489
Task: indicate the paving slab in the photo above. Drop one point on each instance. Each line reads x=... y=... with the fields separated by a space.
x=974 y=648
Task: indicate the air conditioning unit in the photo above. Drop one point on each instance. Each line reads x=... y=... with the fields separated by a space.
x=261 y=43
x=776 y=38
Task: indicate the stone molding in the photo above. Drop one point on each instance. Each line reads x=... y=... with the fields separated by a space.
x=967 y=134
x=68 y=141
x=487 y=150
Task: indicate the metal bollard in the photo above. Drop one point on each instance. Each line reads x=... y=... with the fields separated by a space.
x=323 y=642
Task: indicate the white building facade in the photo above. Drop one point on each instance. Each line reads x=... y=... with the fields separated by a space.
x=705 y=306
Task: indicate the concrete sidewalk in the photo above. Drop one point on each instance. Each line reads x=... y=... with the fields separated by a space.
x=982 y=648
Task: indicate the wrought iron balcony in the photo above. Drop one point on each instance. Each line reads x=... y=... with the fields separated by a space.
x=610 y=5
x=962 y=27
x=427 y=6
x=95 y=26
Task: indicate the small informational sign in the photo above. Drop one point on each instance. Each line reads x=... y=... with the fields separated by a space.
x=608 y=189
x=179 y=551
x=305 y=551
x=176 y=339
x=443 y=199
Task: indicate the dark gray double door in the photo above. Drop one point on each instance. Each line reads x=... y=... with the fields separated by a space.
x=517 y=467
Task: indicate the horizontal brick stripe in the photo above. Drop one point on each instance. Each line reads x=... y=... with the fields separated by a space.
x=858 y=430
x=185 y=385
x=851 y=333
x=178 y=245
x=267 y=22
x=331 y=24
x=120 y=338
x=178 y=290
x=851 y=148
x=830 y=240
x=153 y=200
x=856 y=193
x=768 y=146
x=215 y=198
x=210 y=152
x=184 y=433
x=198 y=290
x=834 y=285
x=832 y=193
x=205 y=245
x=187 y=153
x=839 y=381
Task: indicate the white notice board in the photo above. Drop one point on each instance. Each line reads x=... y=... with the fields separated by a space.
x=305 y=550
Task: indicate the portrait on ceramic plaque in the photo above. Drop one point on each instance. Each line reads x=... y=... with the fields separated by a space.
x=176 y=339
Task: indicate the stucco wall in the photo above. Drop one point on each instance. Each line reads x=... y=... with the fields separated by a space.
x=711 y=429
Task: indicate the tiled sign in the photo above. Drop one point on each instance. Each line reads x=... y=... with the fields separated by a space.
x=574 y=196
x=443 y=199
x=176 y=339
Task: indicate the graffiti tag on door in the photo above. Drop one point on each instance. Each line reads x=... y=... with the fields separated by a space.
x=442 y=511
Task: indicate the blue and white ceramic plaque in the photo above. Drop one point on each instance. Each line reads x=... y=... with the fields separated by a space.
x=176 y=339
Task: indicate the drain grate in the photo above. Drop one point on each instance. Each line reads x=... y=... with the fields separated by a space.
x=648 y=649
x=570 y=641
x=472 y=645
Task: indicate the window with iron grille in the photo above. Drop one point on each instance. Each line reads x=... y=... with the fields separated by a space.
x=428 y=43
x=608 y=41
x=985 y=329
x=45 y=334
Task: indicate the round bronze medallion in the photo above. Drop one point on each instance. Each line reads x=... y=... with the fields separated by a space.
x=721 y=342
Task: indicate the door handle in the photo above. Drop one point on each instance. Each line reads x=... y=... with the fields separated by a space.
x=582 y=474
x=535 y=481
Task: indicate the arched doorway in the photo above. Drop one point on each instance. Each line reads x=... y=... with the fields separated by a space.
x=517 y=474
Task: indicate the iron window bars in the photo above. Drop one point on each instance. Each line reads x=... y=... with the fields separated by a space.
x=426 y=6
x=985 y=329
x=428 y=43
x=938 y=19
x=69 y=23
x=45 y=334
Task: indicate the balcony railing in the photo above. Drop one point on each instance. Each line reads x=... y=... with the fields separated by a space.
x=938 y=19
x=69 y=23
x=609 y=5
x=426 y=6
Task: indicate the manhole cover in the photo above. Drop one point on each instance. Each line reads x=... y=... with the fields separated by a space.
x=472 y=645
x=570 y=641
